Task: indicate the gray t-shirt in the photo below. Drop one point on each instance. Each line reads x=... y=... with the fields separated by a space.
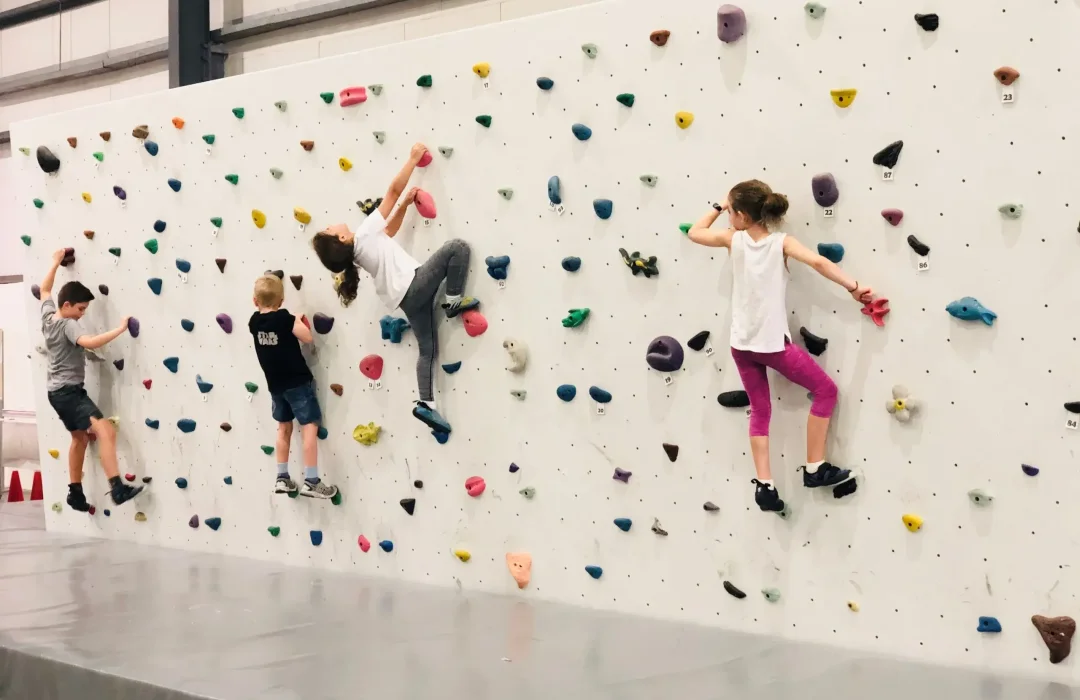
x=67 y=360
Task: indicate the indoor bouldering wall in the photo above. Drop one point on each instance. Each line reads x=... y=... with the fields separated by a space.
x=946 y=526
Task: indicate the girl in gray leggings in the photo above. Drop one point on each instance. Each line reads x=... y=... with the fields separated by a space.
x=400 y=281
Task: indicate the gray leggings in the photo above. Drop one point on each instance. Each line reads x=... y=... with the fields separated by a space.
x=450 y=262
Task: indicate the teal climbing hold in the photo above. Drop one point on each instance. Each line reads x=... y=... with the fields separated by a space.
x=233 y=178
x=183 y=265
x=155 y=284
x=603 y=208
x=204 y=387
x=545 y=83
x=172 y=363
x=386 y=546
x=391 y=328
x=187 y=325
x=174 y=184
x=566 y=392
x=496 y=266
x=554 y=190
x=186 y=425
x=316 y=537
x=424 y=81
x=213 y=523
x=831 y=251
x=151 y=148
x=181 y=482
x=581 y=132
x=114 y=251
x=209 y=139
x=571 y=263
x=989 y=624
x=440 y=436
x=153 y=423
x=623 y=524
x=322 y=433
x=969 y=309
x=594 y=571
x=25 y=239
x=452 y=367
x=626 y=99
x=599 y=395
x=484 y=120
x=238 y=112
x=228 y=481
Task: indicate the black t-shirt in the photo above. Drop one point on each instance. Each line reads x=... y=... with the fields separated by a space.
x=279 y=350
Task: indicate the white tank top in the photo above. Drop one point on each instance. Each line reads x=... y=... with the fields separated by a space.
x=759 y=293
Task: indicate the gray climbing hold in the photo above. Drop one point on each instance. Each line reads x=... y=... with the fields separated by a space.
x=282 y=105
x=581 y=132
x=980 y=497
x=1011 y=210
x=554 y=190
x=519 y=394
x=771 y=594
x=711 y=507
x=506 y=193
x=571 y=263
x=649 y=179
x=545 y=83
x=518 y=355
x=452 y=367
x=603 y=208
x=730 y=23
x=590 y=50
x=446 y=151
x=380 y=136
x=815 y=9
x=376 y=89
x=599 y=395
x=276 y=173
x=566 y=392
x=658 y=529
x=831 y=251
x=825 y=190
x=623 y=524
x=528 y=492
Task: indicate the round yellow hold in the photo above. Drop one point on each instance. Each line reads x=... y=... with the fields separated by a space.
x=482 y=69
x=55 y=454
x=843 y=98
x=345 y=164
x=462 y=554
x=912 y=522
x=258 y=217
x=853 y=606
x=86 y=197
x=684 y=119
x=301 y=215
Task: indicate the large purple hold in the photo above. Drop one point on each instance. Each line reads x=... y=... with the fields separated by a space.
x=225 y=322
x=665 y=354
x=133 y=327
x=323 y=323
x=730 y=23
x=825 y=191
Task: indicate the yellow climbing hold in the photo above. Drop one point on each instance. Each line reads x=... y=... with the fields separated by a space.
x=912 y=522
x=115 y=420
x=684 y=119
x=301 y=215
x=482 y=69
x=345 y=164
x=258 y=217
x=843 y=98
x=853 y=606
x=55 y=454
x=140 y=517
x=463 y=554
x=366 y=434
x=86 y=197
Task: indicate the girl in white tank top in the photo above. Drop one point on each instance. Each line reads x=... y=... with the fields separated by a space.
x=760 y=338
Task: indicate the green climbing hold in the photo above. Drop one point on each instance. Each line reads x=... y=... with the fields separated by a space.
x=99 y=156
x=814 y=9
x=267 y=449
x=216 y=221
x=590 y=50
x=233 y=178
x=38 y=203
x=576 y=318
x=649 y=179
x=25 y=239
x=771 y=594
x=274 y=530
x=282 y=105
x=336 y=499
x=327 y=97
x=252 y=387
x=685 y=228
x=24 y=150
x=238 y=112
x=115 y=251
x=151 y=245
x=209 y=138
x=484 y=120
x=626 y=99
x=375 y=89
x=528 y=492
x=424 y=81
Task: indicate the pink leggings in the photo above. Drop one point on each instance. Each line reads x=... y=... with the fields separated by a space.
x=794 y=364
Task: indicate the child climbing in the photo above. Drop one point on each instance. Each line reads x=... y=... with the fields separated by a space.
x=277 y=335
x=65 y=347
x=759 y=333
x=400 y=281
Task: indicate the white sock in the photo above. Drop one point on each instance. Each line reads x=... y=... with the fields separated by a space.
x=812 y=467
x=430 y=404
x=767 y=482
x=453 y=298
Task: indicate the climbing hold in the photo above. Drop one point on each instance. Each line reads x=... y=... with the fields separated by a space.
x=38 y=204
x=159 y=226
x=581 y=132
x=730 y=23
x=224 y=322
x=986 y=624
x=380 y=136
x=528 y=492
x=47 y=160
x=238 y=112
x=140 y=517
x=446 y=151
x=391 y=328
x=152 y=423
x=408 y=504
x=276 y=173
x=307 y=145
x=815 y=345
x=912 y=522
x=571 y=263
x=576 y=318
x=672 y=451
x=183 y=265
x=684 y=119
x=425 y=160
x=664 y=354
x=825 y=190
x=323 y=323
x=204 y=387
x=418 y=484
x=266 y=449
x=520 y=566
x=733 y=591
x=1057 y=634
x=233 y=178
x=1006 y=75
x=172 y=363
x=831 y=251
x=134 y=327
x=566 y=392
x=658 y=529
x=322 y=433
x=814 y=9
x=251 y=387
x=506 y=193
x=147 y=383
x=258 y=218
x=734 y=399
x=462 y=554
x=296 y=280
x=599 y=395
x=519 y=394
x=1011 y=210
x=918 y=246
x=969 y=309
x=622 y=475
x=660 y=37
x=98 y=156
x=603 y=208
x=26 y=241
x=424 y=81
x=386 y=546
x=496 y=266
x=877 y=310
x=482 y=69
x=519 y=355
x=1029 y=470
x=225 y=427
x=440 y=436
x=181 y=483
x=364 y=543
x=425 y=204
x=151 y=147
x=209 y=139
x=213 y=523
x=554 y=188
x=367 y=434
x=711 y=507
x=893 y=216
x=372 y=366
x=55 y=454
x=594 y=571
x=326 y=97
x=452 y=367
x=86 y=197
x=56 y=507
x=193 y=522
x=638 y=264
x=649 y=179
x=107 y=512
x=105 y=135
x=154 y=283
x=927 y=22
x=475 y=485
x=545 y=83
x=89 y=235
x=484 y=120
x=353 y=96
x=980 y=497
x=626 y=99
x=220 y=262
x=590 y=50
x=120 y=193
x=174 y=184
x=141 y=131
x=771 y=594
x=623 y=524
x=345 y=164
x=178 y=122
x=35 y=291
x=187 y=324
x=888 y=156
x=902 y=405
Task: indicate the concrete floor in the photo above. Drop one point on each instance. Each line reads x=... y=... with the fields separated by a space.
x=89 y=619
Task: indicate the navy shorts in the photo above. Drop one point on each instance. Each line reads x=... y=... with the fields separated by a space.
x=74 y=407
x=297 y=404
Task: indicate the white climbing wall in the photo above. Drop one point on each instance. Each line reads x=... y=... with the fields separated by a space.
x=993 y=395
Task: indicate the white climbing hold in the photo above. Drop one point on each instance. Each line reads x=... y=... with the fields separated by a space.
x=903 y=405
x=519 y=355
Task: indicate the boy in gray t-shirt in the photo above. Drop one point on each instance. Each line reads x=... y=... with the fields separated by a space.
x=65 y=345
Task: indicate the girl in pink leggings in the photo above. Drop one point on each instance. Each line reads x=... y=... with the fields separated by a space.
x=759 y=332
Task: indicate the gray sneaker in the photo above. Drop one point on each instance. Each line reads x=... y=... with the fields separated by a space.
x=319 y=489
x=285 y=484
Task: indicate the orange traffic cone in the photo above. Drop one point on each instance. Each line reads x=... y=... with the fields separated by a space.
x=36 y=491
x=15 y=493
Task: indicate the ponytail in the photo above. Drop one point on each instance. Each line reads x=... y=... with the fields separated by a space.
x=756 y=200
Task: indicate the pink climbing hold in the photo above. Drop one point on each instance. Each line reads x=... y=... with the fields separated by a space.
x=475 y=323
x=475 y=485
x=425 y=160
x=893 y=216
x=352 y=96
x=877 y=310
x=371 y=366
x=365 y=545
x=425 y=204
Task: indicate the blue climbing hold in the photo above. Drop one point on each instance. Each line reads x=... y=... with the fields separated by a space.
x=603 y=208
x=159 y=226
x=387 y=546
x=831 y=251
x=107 y=512
x=153 y=423
x=969 y=309
x=181 y=483
x=174 y=184
x=322 y=433
x=172 y=363
x=571 y=263
x=440 y=436
x=623 y=524
x=155 y=284
x=452 y=367
x=514 y=468
x=496 y=266
x=554 y=190
x=183 y=265
x=187 y=325
x=213 y=523
x=392 y=328
x=989 y=624
x=204 y=387
x=228 y=481
x=151 y=147
x=599 y=395
x=545 y=83
x=1029 y=470
x=567 y=392
x=316 y=537
x=594 y=571
x=186 y=425
x=582 y=132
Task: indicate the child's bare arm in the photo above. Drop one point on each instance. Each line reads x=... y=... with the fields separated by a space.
x=50 y=276
x=302 y=332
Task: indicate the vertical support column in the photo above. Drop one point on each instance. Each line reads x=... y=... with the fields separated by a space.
x=190 y=59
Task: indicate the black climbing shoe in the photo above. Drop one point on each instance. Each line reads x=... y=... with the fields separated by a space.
x=124 y=493
x=459 y=307
x=76 y=500
x=826 y=475
x=767 y=497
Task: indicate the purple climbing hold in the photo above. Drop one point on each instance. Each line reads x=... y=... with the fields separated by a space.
x=1029 y=470
x=36 y=291
x=622 y=475
x=514 y=468
x=133 y=327
x=893 y=216
x=322 y=323
x=225 y=322
x=665 y=354
x=120 y=193
x=194 y=522
x=730 y=23
x=825 y=190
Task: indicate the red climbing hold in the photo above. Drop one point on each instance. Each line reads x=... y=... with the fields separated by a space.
x=365 y=545
x=371 y=366
x=129 y=477
x=475 y=323
x=475 y=485
x=877 y=310
x=147 y=382
x=425 y=204
x=893 y=216
x=425 y=160
x=352 y=96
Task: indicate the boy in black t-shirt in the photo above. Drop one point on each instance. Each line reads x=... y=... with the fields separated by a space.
x=292 y=388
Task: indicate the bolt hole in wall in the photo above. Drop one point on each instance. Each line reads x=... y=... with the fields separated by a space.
x=925 y=201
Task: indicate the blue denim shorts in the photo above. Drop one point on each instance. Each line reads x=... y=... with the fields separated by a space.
x=297 y=404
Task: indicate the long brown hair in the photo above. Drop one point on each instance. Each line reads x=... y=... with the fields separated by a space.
x=757 y=201
x=337 y=257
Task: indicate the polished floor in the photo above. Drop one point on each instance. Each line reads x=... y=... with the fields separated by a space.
x=92 y=619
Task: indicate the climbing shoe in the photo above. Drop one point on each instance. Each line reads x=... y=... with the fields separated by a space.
x=318 y=489
x=285 y=484
x=122 y=493
x=76 y=500
x=457 y=308
x=767 y=497
x=826 y=475
x=431 y=418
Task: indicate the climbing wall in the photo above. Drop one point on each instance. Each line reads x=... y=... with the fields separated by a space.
x=848 y=570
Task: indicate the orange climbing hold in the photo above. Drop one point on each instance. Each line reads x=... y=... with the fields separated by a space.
x=72 y=141
x=105 y=135
x=307 y=145
x=520 y=565
x=178 y=122
x=660 y=37
x=1006 y=75
x=89 y=235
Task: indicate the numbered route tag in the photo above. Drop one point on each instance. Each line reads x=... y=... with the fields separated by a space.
x=887 y=174
x=1007 y=95
x=709 y=352
x=668 y=379
x=1072 y=423
x=182 y=277
x=502 y=285
x=486 y=83
x=304 y=226
x=427 y=222
x=205 y=398
x=601 y=410
x=828 y=212
x=374 y=384
x=250 y=397
x=923 y=264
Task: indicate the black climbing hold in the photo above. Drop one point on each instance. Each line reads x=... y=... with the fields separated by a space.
x=147 y=479
x=322 y=323
x=697 y=343
x=638 y=264
x=47 y=160
x=711 y=507
x=101 y=288
x=187 y=325
x=545 y=83
x=36 y=291
x=119 y=364
x=888 y=156
x=280 y=274
x=672 y=451
x=1073 y=407
x=409 y=504
x=1029 y=470
x=159 y=226
x=571 y=264
x=296 y=280
x=730 y=588
x=928 y=22
x=734 y=399
x=220 y=262
x=418 y=484
x=815 y=344
x=918 y=246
